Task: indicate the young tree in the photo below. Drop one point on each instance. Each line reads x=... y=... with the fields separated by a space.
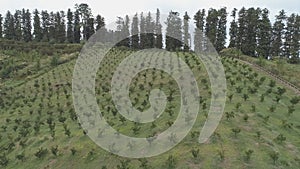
x=37 y=30
x=199 y=40
x=186 y=34
x=221 y=31
x=70 y=30
x=173 y=32
x=233 y=30
x=158 y=31
x=135 y=32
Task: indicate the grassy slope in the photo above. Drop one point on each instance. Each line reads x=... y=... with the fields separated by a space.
x=50 y=96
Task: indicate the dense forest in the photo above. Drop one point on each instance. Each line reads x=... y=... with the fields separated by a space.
x=251 y=30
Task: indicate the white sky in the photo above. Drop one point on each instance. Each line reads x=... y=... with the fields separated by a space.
x=112 y=8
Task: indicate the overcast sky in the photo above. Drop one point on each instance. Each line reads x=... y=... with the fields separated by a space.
x=112 y=8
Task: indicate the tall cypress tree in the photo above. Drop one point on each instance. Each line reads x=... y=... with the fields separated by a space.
x=295 y=45
x=8 y=26
x=173 y=32
x=199 y=39
x=90 y=29
x=18 y=25
x=221 y=31
x=252 y=19
x=1 y=19
x=158 y=31
x=77 y=34
x=289 y=36
x=264 y=34
x=278 y=34
x=142 y=32
x=37 y=30
x=186 y=34
x=242 y=29
x=150 y=27
x=99 y=22
x=211 y=25
x=27 y=27
x=70 y=30
x=45 y=25
x=135 y=32
x=233 y=30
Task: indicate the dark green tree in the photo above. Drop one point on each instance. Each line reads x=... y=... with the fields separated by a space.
x=18 y=25
x=1 y=19
x=45 y=25
x=9 y=28
x=150 y=27
x=264 y=34
x=199 y=39
x=99 y=22
x=77 y=26
x=158 y=31
x=211 y=25
x=278 y=34
x=173 y=32
x=135 y=32
x=221 y=31
x=233 y=30
x=37 y=29
x=142 y=31
x=26 y=25
x=186 y=34
x=70 y=30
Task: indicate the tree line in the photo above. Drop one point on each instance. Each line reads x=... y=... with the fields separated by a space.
x=251 y=30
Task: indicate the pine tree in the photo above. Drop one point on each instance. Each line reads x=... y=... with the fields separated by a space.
x=252 y=19
x=221 y=31
x=242 y=29
x=150 y=26
x=289 y=36
x=173 y=32
x=158 y=31
x=100 y=22
x=77 y=34
x=233 y=30
x=211 y=26
x=8 y=26
x=295 y=46
x=186 y=34
x=26 y=25
x=85 y=14
x=45 y=25
x=135 y=32
x=199 y=39
x=18 y=25
x=1 y=19
x=125 y=31
x=37 y=30
x=70 y=30
x=90 y=29
x=277 y=34
x=142 y=31
x=52 y=29
x=264 y=34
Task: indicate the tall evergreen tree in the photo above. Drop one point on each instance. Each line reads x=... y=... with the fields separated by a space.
x=289 y=36
x=242 y=29
x=27 y=27
x=173 y=32
x=135 y=32
x=221 y=31
x=150 y=27
x=212 y=25
x=199 y=39
x=126 y=40
x=158 y=31
x=295 y=46
x=70 y=30
x=252 y=19
x=186 y=34
x=1 y=19
x=77 y=34
x=233 y=30
x=99 y=22
x=278 y=34
x=142 y=31
x=90 y=29
x=45 y=25
x=264 y=34
x=9 y=27
x=19 y=17
x=37 y=30
x=85 y=13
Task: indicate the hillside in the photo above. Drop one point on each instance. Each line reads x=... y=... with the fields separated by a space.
x=260 y=127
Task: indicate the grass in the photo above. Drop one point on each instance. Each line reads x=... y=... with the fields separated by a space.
x=32 y=100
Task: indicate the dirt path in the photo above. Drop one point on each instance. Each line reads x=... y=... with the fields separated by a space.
x=275 y=77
